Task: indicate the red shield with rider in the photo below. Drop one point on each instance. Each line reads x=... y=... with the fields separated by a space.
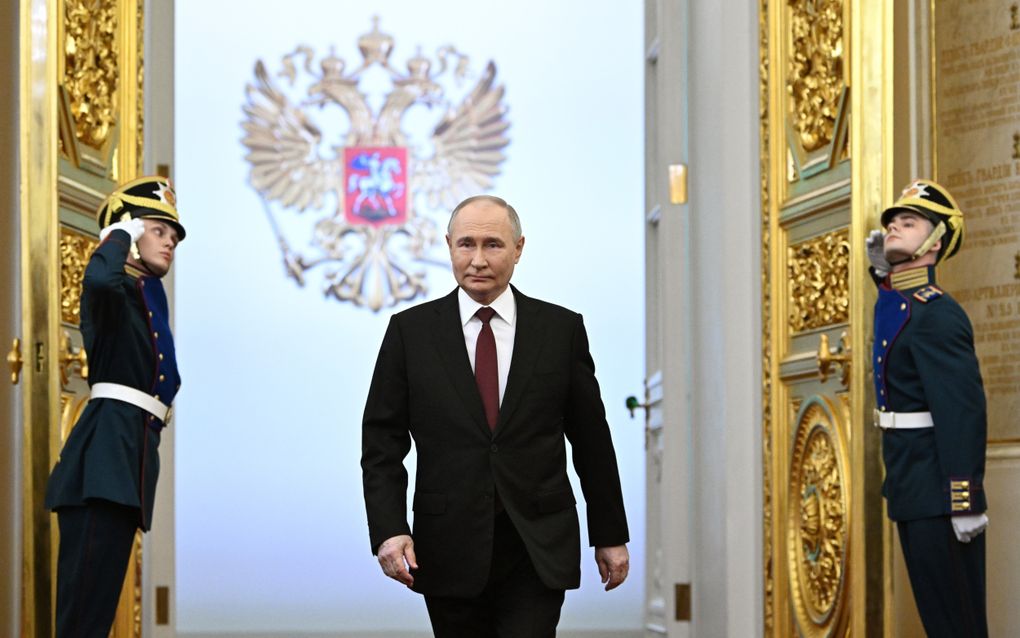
x=376 y=185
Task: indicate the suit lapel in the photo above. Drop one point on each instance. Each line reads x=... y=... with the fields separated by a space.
x=527 y=346
x=450 y=343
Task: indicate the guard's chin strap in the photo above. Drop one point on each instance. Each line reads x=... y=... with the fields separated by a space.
x=936 y=234
x=146 y=266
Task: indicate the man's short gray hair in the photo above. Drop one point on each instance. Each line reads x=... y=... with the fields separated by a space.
x=515 y=221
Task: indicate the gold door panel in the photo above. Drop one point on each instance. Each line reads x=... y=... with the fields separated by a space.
x=821 y=509
x=817 y=518
x=81 y=135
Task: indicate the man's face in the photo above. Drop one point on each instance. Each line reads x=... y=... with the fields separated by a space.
x=905 y=234
x=483 y=251
x=156 y=246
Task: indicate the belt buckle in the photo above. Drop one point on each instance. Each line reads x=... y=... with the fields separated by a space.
x=168 y=416
x=876 y=418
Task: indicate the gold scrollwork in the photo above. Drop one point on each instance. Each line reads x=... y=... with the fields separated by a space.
x=768 y=564
x=140 y=96
x=815 y=81
x=90 y=53
x=819 y=289
x=817 y=523
x=75 y=250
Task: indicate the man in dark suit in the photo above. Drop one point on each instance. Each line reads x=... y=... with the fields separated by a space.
x=102 y=487
x=931 y=408
x=488 y=383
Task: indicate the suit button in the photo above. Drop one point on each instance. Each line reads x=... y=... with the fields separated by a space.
x=162 y=377
x=884 y=343
x=903 y=306
x=880 y=359
x=494 y=448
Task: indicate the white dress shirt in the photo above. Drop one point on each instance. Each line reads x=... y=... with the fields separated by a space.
x=504 y=327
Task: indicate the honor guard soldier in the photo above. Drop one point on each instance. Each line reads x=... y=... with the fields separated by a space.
x=931 y=408
x=103 y=484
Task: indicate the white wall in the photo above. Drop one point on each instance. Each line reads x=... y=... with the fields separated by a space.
x=725 y=229
x=271 y=532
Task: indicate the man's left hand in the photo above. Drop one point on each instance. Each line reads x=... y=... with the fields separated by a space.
x=967 y=527
x=614 y=563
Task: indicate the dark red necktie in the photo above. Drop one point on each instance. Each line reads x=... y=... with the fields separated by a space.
x=487 y=368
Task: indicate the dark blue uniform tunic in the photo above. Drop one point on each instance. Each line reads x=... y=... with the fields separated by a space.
x=924 y=361
x=111 y=453
x=103 y=486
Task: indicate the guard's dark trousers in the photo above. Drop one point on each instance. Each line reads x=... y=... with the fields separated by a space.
x=948 y=578
x=514 y=604
x=95 y=546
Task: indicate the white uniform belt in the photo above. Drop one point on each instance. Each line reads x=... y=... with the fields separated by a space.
x=903 y=420
x=127 y=394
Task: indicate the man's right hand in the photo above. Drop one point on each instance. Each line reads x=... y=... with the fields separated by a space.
x=133 y=227
x=396 y=555
x=876 y=253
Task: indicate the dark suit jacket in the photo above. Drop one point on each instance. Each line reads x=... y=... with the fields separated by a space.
x=111 y=454
x=423 y=388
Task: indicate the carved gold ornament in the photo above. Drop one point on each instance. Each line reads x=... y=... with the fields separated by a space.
x=768 y=562
x=815 y=82
x=140 y=95
x=819 y=271
x=817 y=522
x=375 y=187
x=75 y=250
x=91 y=67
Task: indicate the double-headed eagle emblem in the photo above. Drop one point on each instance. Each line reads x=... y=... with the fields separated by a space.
x=373 y=186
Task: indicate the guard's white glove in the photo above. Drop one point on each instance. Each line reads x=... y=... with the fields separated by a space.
x=876 y=253
x=968 y=527
x=133 y=227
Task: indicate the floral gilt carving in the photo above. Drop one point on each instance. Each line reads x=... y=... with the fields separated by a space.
x=815 y=74
x=75 y=250
x=91 y=67
x=818 y=271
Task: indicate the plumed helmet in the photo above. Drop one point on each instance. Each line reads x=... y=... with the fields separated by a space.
x=934 y=202
x=151 y=197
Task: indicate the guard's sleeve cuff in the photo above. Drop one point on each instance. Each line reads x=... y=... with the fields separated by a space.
x=961 y=499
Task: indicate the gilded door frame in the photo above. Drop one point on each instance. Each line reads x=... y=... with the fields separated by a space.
x=871 y=61
x=66 y=167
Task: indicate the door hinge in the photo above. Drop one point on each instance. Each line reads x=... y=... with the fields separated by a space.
x=683 y=601
x=15 y=361
x=678 y=183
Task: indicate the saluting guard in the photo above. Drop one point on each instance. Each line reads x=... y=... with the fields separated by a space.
x=931 y=408
x=104 y=482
